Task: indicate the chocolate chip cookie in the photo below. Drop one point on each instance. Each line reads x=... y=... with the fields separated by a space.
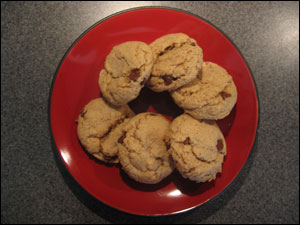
x=177 y=61
x=197 y=147
x=127 y=68
x=99 y=127
x=211 y=96
x=142 y=151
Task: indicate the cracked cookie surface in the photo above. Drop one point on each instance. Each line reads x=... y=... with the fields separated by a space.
x=211 y=96
x=99 y=127
x=197 y=148
x=126 y=70
x=177 y=61
x=142 y=151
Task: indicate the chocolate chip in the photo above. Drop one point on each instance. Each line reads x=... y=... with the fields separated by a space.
x=135 y=74
x=187 y=141
x=219 y=144
x=193 y=44
x=152 y=114
x=159 y=158
x=166 y=140
x=167 y=79
x=121 y=139
x=82 y=113
x=169 y=47
x=144 y=81
x=225 y=94
x=168 y=145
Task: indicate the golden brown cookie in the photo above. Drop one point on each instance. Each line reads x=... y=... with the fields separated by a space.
x=211 y=96
x=99 y=128
x=142 y=151
x=177 y=61
x=127 y=68
x=197 y=147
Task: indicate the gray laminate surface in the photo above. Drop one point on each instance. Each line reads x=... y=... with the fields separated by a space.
x=35 y=187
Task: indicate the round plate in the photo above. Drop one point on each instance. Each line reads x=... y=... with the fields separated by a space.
x=75 y=84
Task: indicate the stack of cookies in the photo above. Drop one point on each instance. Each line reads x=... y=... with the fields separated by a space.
x=147 y=145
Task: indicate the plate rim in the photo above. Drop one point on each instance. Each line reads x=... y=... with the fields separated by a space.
x=254 y=141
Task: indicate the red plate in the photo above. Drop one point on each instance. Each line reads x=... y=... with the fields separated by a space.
x=75 y=84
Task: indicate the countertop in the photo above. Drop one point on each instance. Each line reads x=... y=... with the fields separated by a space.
x=35 y=187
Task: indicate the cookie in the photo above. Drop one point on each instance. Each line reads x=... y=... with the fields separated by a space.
x=211 y=96
x=99 y=127
x=177 y=61
x=197 y=148
x=142 y=151
x=127 y=68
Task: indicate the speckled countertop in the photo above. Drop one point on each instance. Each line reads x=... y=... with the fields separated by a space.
x=35 y=187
